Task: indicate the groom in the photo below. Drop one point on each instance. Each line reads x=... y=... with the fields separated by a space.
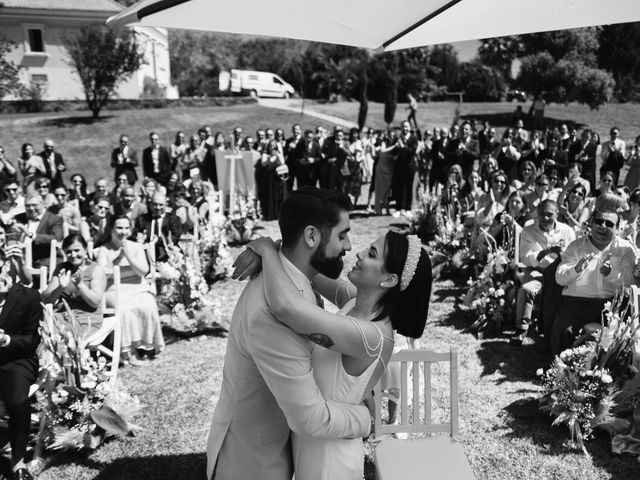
x=268 y=387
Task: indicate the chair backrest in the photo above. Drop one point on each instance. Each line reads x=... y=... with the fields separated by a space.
x=635 y=301
x=53 y=255
x=416 y=412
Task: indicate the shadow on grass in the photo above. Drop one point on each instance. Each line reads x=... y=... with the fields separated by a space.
x=153 y=467
x=73 y=121
x=515 y=363
x=173 y=335
x=506 y=119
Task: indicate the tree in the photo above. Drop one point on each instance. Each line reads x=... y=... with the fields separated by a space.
x=619 y=53
x=480 y=83
x=103 y=57
x=9 y=71
x=391 y=87
x=500 y=53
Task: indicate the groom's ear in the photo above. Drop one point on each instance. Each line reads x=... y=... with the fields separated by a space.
x=311 y=236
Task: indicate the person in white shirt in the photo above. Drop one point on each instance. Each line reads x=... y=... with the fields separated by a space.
x=613 y=153
x=540 y=245
x=592 y=270
x=13 y=204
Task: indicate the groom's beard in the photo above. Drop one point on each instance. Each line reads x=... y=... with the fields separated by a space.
x=328 y=266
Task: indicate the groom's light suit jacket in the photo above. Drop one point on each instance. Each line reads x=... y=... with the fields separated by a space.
x=268 y=390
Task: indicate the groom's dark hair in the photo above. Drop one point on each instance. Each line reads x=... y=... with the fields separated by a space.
x=311 y=206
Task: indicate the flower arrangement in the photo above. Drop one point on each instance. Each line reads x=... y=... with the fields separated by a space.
x=595 y=385
x=79 y=401
x=184 y=291
x=241 y=223
x=490 y=296
x=213 y=252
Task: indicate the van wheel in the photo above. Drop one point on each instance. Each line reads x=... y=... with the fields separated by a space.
x=254 y=94
x=286 y=95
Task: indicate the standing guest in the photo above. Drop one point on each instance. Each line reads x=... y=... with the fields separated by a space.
x=405 y=168
x=140 y=319
x=613 y=153
x=439 y=167
x=41 y=227
x=336 y=154
x=292 y=152
x=507 y=155
x=261 y=140
x=81 y=282
x=540 y=245
x=274 y=180
x=584 y=151
x=53 y=163
x=128 y=206
x=193 y=157
x=468 y=150
x=19 y=339
x=413 y=110
x=124 y=160
x=159 y=226
x=78 y=194
x=235 y=141
x=13 y=203
x=633 y=175
x=537 y=111
x=69 y=212
x=308 y=157
x=31 y=165
x=528 y=177
x=535 y=150
x=355 y=162
x=177 y=151
x=156 y=161
x=7 y=170
x=592 y=270
x=384 y=172
x=368 y=147
x=490 y=142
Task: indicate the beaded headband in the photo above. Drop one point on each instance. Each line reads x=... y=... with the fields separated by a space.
x=411 y=263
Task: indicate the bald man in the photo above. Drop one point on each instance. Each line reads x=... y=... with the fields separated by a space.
x=159 y=225
x=53 y=163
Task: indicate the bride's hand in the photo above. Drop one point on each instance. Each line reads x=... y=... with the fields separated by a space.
x=263 y=245
x=247 y=265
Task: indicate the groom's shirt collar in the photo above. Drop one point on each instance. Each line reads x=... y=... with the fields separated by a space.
x=300 y=280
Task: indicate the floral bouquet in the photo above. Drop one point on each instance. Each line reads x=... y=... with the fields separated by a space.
x=490 y=296
x=77 y=398
x=451 y=238
x=213 y=253
x=184 y=291
x=241 y=224
x=595 y=385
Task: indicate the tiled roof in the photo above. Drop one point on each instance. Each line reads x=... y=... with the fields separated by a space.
x=85 y=5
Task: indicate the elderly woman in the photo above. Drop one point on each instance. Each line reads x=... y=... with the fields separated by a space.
x=141 y=331
x=81 y=282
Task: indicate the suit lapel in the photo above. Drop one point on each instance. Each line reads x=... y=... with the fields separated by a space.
x=8 y=306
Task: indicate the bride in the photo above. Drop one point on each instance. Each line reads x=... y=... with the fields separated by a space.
x=389 y=290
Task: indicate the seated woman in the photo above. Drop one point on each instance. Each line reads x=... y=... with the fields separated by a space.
x=78 y=194
x=510 y=220
x=490 y=204
x=43 y=188
x=198 y=198
x=528 y=175
x=570 y=212
x=389 y=290
x=453 y=185
x=141 y=331
x=186 y=212
x=81 y=282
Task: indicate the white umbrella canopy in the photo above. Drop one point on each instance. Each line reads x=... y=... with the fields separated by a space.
x=379 y=24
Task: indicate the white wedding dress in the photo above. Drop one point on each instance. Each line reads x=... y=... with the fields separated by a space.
x=340 y=459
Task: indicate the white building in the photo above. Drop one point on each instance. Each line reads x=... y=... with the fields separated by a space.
x=38 y=27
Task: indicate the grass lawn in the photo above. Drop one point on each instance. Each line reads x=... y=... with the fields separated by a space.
x=441 y=114
x=181 y=387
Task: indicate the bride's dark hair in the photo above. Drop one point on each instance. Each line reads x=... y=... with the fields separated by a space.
x=407 y=309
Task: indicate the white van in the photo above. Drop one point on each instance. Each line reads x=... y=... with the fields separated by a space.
x=260 y=84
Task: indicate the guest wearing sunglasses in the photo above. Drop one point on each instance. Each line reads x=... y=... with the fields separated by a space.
x=13 y=202
x=574 y=178
x=570 y=211
x=592 y=270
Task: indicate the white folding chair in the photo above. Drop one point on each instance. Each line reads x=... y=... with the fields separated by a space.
x=41 y=272
x=435 y=456
x=53 y=256
x=635 y=299
x=111 y=324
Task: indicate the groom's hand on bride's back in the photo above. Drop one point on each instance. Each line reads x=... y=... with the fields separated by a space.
x=247 y=265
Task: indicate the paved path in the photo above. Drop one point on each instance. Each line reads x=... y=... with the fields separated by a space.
x=295 y=105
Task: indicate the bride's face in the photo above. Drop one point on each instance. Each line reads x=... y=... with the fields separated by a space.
x=369 y=270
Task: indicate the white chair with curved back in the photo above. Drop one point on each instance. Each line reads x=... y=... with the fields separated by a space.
x=435 y=456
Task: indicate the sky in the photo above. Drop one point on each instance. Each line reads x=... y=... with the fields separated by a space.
x=466 y=50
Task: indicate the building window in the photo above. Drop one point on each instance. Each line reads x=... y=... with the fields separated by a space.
x=40 y=79
x=35 y=40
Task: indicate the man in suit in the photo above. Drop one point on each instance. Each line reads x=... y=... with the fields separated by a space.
x=292 y=152
x=335 y=155
x=156 y=161
x=53 y=163
x=41 y=227
x=268 y=387
x=20 y=315
x=124 y=159
x=159 y=226
x=307 y=156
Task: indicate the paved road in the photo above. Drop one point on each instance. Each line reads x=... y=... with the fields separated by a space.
x=295 y=105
